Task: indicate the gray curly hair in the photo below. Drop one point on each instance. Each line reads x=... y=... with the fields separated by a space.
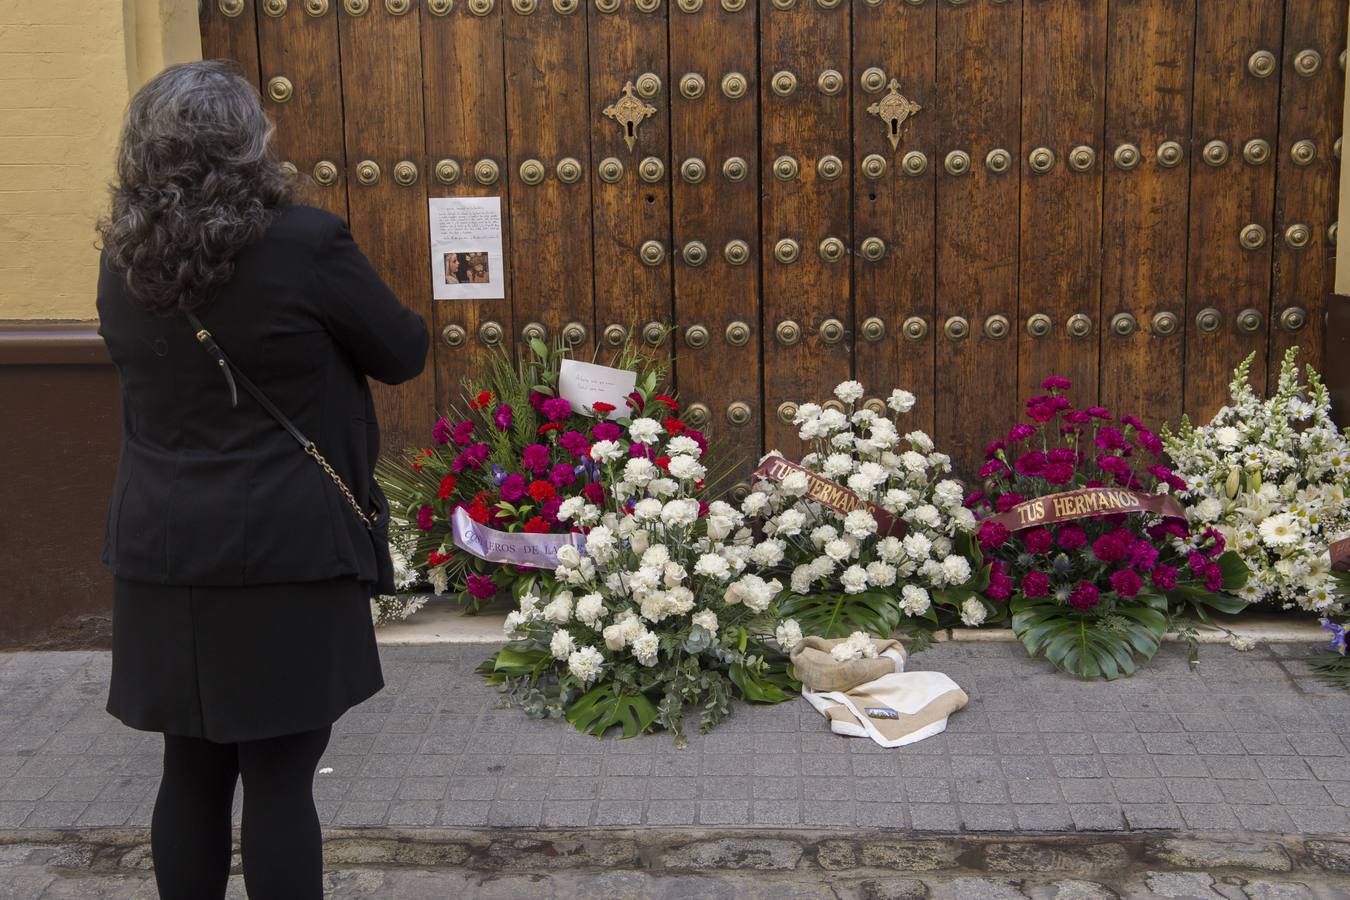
x=196 y=183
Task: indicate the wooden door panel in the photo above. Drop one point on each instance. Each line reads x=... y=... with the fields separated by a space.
x=1145 y=192
x=1233 y=105
x=548 y=116
x=624 y=45
x=382 y=105
x=302 y=92
x=230 y=31
x=806 y=47
x=720 y=211
x=893 y=295
x=1063 y=85
x=979 y=53
x=1311 y=96
x=464 y=94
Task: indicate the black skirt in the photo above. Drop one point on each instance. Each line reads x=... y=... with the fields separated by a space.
x=234 y=664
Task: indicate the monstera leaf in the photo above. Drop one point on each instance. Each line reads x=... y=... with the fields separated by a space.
x=768 y=684
x=602 y=708
x=515 y=660
x=1087 y=645
x=839 y=615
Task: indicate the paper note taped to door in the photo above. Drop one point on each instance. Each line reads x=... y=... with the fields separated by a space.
x=466 y=248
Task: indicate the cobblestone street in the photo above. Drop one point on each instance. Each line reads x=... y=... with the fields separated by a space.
x=1250 y=745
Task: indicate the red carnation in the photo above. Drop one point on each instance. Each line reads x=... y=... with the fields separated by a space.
x=447 y=487
x=482 y=400
x=479 y=513
x=537 y=525
x=673 y=425
x=663 y=463
x=435 y=557
x=667 y=401
x=549 y=426
x=602 y=407
x=542 y=490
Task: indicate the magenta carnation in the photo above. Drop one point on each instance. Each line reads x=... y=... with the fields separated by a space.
x=1071 y=537
x=556 y=409
x=992 y=469
x=425 y=517
x=1031 y=463
x=606 y=431
x=513 y=487
x=991 y=534
x=1113 y=546
x=441 y=432
x=561 y=475
x=463 y=433
x=594 y=493
x=1164 y=577
x=1020 y=432
x=535 y=458
x=502 y=417
x=575 y=443
x=481 y=587
x=1035 y=584
x=1059 y=473
x=1125 y=582
x=1083 y=597
x=1038 y=540
x=1056 y=383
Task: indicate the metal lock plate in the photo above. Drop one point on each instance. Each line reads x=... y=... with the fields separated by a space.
x=1307 y=62
x=831 y=250
x=957 y=162
x=630 y=111
x=738 y=413
x=1164 y=323
x=1252 y=237
x=1303 y=152
x=534 y=331
x=1126 y=157
x=486 y=171
x=652 y=253
x=872 y=249
x=447 y=171
x=956 y=328
x=786 y=412
x=788 y=333
x=614 y=336
x=651 y=170
x=326 y=173
x=873 y=166
x=785 y=168
x=532 y=171
x=998 y=161
x=1215 y=153
x=568 y=170
x=1208 y=320
x=786 y=251
x=997 y=327
x=610 y=170
x=1294 y=318
x=695 y=253
x=783 y=83
x=368 y=172
x=735 y=169
x=454 y=336
x=1041 y=160
x=280 y=89
x=737 y=334
x=274 y=8
x=1297 y=235
x=405 y=173
x=490 y=333
x=736 y=252
x=1124 y=324
x=873 y=328
x=1081 y=158
x=1039 y=325
x=648 y=85
x=692 y=86
x=1170 y=154
x=734 y=85
x=1256 y=151
x=914 y=328
x=914 y=163
x=1078 y=326
x=693 y=170
x=829 y=167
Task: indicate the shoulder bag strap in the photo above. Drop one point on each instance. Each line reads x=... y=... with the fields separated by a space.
x=233 y=374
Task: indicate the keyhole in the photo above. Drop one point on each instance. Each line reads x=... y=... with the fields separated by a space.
x=651 y=198
x=630 y=129
x=872 y=195
x=895 y=127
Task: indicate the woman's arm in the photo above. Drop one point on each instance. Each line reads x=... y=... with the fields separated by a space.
x=387 y=340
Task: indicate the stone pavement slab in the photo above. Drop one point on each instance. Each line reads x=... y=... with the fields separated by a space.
x=1251 y=742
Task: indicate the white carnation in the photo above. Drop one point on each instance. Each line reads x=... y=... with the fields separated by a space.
x=562 y=645
x=788 y=634
x=644 y=430
x=606 y=451
x=683 y=444
x=590 y=609
x=860 y=523
x=849 y=391
x=956 y=569
x=705 y=619
x=711 y=565
x=900 y=401
x=686 y=467
x=854 y=580
x=880 y=574
x=677 y=513
x=973 y=612
x=838 y=549
x=914 y=600
x=585 y=664
x=645 y=647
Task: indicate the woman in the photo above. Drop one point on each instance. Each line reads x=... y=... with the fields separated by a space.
x=241 y=616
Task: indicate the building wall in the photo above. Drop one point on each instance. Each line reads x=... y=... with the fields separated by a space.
x=67 y=68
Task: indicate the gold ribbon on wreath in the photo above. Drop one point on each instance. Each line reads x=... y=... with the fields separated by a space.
x=831 y=494
x=1085 y=503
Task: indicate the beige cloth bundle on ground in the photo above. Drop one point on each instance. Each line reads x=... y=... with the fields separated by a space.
x=912 y=705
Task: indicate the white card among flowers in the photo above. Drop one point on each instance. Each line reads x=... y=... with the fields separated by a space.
x=583 y=384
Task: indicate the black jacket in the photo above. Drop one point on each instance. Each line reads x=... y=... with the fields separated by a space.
x=207 y=494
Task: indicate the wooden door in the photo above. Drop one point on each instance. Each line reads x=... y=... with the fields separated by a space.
x=957 y=197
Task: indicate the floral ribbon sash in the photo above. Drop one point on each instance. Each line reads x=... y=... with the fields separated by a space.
x=537 y=551
x=1085 y=503
x=1340 y=554
x=831 y=494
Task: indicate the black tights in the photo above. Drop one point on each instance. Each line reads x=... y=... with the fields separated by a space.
x=280 y=843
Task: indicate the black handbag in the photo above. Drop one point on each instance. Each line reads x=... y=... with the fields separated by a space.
x=376 y=521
